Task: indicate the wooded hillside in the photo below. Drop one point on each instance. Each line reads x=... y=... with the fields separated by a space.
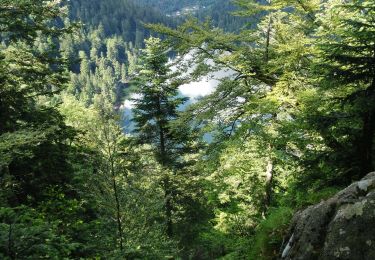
x=291 y=124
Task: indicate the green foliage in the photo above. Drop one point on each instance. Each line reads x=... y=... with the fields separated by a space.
x=27 y=234
x=103 y=68
x=38 y=198
x=158 y=102
x=174 y=148
x=218 y=11
x=306 y=199
x=120 y=184
x=117 y=18
x=215 y=244
x=270 y=233
x=24 y=20
x=346 y=59
x=294 y=116
x=31 y=127
x=293 y=123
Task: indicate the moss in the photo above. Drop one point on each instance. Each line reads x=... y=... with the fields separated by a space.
x=351 y=210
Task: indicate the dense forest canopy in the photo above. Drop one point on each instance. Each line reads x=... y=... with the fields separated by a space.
x=117 y=17
x=219 y=11
x=290 y=125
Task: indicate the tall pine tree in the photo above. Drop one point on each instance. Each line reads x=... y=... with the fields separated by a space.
x=155 y=109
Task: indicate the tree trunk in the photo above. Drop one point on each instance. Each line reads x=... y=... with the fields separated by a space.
x=268 y=39
x=269 y=182
x=268 y=186
x=368 y=131
x=166 y=181
x=118 y=208
x=118 y=215
x=111 y=150
x=366 y=155
x=167 y=190
x=168 y=207
x=11 y=254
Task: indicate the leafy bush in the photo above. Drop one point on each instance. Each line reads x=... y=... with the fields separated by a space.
x=299 y=199
x=270 y=233
x=26 y=234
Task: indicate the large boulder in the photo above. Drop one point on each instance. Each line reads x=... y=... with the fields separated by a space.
x=343 y=227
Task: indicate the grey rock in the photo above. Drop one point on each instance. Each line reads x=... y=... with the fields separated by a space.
x=342 y=227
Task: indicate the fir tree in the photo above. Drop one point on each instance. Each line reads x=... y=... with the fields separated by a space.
x=154 y=111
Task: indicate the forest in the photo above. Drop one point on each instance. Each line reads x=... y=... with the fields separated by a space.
x=290 y=124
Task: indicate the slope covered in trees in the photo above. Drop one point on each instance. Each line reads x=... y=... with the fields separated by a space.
x=219 y=11
x=122 y=18
x=293 y=124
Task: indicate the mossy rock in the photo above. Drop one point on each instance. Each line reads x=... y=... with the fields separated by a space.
x=342 y=227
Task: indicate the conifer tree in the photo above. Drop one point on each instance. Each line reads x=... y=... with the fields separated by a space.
x=36 y=177
x=154 y=111
x=347 y=61
x=29 y=127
